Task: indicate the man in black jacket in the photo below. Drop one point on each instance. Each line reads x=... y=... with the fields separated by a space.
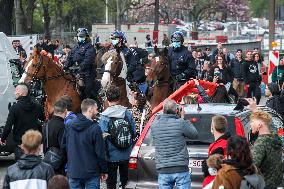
x=237 y=68
x=29 y=171
x=23 y=115
x=275 y=99
x=252 y=77
x=83 y=142
x=55 y=128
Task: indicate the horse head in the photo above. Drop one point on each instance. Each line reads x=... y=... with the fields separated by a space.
x=114 y=67
x=36 y=67
x=160 y=64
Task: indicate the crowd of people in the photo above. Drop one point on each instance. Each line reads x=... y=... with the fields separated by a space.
x=90 y=147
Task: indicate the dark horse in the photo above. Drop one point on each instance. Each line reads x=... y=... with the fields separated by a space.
x=160 y=69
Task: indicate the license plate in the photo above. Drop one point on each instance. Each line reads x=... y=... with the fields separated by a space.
x=195 y=163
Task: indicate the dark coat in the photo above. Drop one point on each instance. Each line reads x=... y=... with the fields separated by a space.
x=83 y=142
x=251 y=72
x=23 y=115
x=55 y=132
x=237 y=69
x=30 y=170
x=225 y=75
x=84 y=55
x=181 y=63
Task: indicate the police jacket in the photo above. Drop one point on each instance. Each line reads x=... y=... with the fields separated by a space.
x=180 y=63
x=23 y=115
x=28 y=172
x=132 y=61
x=84 y=55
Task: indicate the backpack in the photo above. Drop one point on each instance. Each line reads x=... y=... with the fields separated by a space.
x=253 y=181
x=121 y=133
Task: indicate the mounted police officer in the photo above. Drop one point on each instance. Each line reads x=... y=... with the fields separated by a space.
x=181 y=69
x=135 y=69
x=80 y=62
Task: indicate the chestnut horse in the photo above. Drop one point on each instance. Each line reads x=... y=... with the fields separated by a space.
x=160 y=73
x=115 y=74
x=56 y=82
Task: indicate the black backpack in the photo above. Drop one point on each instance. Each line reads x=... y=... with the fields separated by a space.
x=121 y=132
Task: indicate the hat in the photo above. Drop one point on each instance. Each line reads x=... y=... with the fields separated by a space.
x=274 y=88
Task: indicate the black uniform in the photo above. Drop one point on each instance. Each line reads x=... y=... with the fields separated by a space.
x=83 y=55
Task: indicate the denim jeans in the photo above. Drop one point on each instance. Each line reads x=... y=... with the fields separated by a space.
x=180 y=180
x=90 y=183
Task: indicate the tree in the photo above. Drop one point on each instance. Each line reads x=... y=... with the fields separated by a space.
x=6 y=9
x=46 y=18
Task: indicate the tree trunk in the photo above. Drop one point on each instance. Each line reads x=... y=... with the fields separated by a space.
x=58 y=15
x=19 y=17
x=6 y=9
x=156 y=25
x=46 y=18
x=118 y=16
x=29 y=15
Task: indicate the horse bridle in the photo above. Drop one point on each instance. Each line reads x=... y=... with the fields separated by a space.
x=38 y=66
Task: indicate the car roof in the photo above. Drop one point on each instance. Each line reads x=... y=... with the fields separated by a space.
x=211 y=108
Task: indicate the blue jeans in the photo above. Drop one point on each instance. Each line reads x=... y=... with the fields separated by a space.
x=91 y=183
x=180 y=180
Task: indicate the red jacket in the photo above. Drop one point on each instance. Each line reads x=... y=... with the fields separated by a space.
x=217 y=147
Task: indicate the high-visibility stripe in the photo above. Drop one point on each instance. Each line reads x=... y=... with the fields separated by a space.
x=273 y=62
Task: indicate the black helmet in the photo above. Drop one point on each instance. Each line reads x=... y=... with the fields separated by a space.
x=82 y=32
x=177 y=36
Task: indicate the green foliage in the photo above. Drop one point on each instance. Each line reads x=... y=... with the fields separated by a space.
x=259 y=8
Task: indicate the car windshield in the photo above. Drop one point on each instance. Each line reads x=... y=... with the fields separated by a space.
x=202 y=123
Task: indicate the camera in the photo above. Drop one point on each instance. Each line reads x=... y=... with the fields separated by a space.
x=217 y=73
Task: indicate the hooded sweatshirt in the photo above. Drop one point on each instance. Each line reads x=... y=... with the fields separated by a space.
x=267 y=156
x=117 y=111
x=28 y=172
x=85 y=148
x=278 y=75
x=251 y=72
x=23 y=115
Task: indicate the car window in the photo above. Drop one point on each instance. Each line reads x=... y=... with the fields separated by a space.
x=202 y=123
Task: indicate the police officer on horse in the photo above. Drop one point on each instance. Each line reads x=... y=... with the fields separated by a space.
x=181 y=67
x=135 y=69
x=80 y=63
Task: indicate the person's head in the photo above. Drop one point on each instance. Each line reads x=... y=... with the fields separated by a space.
x=190 y=99
x=31 y=142
x=255 y=50
x=139 y=100
x=219 y=46
x=23 y=55
x=134 y=38
x=238 y=149
x=21 y=90
x=239 y=53
x=18 y=42
x=256 y=57
x=260 y=122
x=89 y=108
x=113 y=94
x=207 y=50
x=14 y=43
x=118 y=39
x=272 y=89
x=82 y=34
x=199 y=54
x=165 y=36
x=66 y=49
x=170 y=107
x=249 y=55
x=194 y=53
x=58 y=182
x=148 y=36
x=57 y=42
x=68 y=101
x=60 y=108
x=177 y=39
x=281 y=62
x=220 y=61
x=225 y=51
x=219 y=126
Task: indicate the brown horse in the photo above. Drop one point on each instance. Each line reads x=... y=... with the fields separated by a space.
x=115 y=74
x=56 y=82
x=160 y=73
x=99 y=64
